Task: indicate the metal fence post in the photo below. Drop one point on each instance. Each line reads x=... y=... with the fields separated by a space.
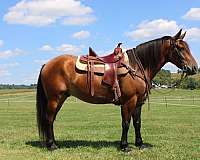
x=165 y=101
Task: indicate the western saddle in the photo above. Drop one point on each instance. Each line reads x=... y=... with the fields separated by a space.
x=112 y=62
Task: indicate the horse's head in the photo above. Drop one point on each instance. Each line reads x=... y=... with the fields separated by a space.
x=180 y=54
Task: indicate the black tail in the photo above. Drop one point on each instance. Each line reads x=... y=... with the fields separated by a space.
x=41 y=107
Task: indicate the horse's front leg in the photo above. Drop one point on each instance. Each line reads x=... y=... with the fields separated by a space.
x=125 y=127
x=126 y=111
x=137 y=125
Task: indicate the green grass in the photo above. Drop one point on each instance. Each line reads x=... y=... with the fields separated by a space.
x=86 y=131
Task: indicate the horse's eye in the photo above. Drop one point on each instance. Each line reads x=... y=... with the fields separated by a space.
x=180 y=48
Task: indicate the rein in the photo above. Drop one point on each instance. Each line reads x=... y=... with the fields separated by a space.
x=133 y=73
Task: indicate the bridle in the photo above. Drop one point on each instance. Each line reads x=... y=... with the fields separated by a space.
x=184 y=69
x=173 y=49
x=179 y=53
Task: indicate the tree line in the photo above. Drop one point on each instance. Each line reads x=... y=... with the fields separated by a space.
x=165 y=78
x=14 y=86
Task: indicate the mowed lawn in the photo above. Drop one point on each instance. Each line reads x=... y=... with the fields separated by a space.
x=86 y=131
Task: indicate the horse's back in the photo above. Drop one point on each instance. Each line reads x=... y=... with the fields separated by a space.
x=58 y=72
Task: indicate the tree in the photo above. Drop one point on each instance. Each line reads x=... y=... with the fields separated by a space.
x=163 y=77
x=190 y=83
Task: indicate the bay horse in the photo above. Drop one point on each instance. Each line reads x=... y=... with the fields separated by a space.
x=59 y=79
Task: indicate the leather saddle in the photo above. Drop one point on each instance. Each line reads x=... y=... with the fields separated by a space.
x=110 y=66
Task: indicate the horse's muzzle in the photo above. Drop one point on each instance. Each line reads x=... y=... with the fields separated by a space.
x=190 y=70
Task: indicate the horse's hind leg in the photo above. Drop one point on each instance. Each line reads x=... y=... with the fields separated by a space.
x=53 y=106
x=51 y=111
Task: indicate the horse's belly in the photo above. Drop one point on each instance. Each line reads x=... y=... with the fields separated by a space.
x=98 y=98
x=95 y=99
x=102 y=93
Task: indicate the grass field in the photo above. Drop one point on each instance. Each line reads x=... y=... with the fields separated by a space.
x=85 y=131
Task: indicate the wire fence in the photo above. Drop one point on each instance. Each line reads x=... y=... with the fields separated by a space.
x=190 y=101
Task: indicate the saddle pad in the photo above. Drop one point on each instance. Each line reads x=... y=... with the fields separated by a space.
x=100 y=68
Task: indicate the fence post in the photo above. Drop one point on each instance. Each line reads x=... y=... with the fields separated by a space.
x=193 y=99
x=8 y=102
x=165 y=101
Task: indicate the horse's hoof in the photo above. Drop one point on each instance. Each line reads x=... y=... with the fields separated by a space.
x=52 y=147
x=126 y=150
x=124 y=147
x=145 y=146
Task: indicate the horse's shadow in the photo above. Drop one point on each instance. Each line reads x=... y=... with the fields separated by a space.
x=85 y=143
x=78 y=143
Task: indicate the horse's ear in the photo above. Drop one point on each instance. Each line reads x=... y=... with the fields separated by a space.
x=183 y=35
x=177 y=36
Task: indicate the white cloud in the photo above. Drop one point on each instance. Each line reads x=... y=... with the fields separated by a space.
x=192 y=14
x=41 y=61
x=4 y=72
x=45 y=12
x=193 y=34
x=1 y=43
x=81 y=35
x=11 y=53
x=79 y=20
x=47 y=48
x=10 y=65
x=69 y=48
x=30 y=78
x=5 y=67
x=153 y=29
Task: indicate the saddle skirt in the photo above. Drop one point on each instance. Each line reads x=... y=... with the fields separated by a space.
x=102 y=67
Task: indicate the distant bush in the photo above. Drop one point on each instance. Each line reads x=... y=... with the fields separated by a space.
x=190 y=83
x=164 y=78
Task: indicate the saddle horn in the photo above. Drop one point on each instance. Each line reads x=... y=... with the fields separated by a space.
x=119 y=44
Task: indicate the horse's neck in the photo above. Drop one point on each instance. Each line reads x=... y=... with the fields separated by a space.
x=151 y=66
x=152 y=71
x=153 y=55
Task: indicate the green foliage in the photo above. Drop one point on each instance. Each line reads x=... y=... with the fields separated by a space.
x=190 y=83
x=163 y=77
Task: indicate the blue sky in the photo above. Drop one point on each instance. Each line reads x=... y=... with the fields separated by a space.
x=34 y=31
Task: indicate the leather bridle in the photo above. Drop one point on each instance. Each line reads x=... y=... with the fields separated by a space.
x=175 y=49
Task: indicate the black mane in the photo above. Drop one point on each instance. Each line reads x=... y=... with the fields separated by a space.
x=149 y=52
